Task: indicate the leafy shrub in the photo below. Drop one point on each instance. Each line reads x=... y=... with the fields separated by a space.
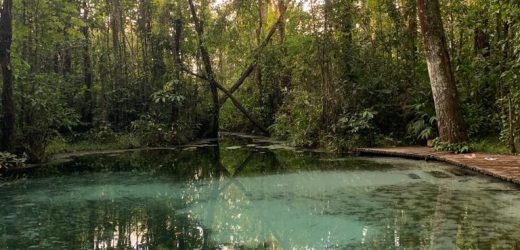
x=127 y=141
x=457 y=148
x=169 y=94
x=506 y=132
x=351 y=130
x=423 y=127
x=151 y=133
x=479 y=121
x=103 y=133
x=298 y=121
x=184 y=131
x=48 y=114
x=10 y=161
x=357 y=122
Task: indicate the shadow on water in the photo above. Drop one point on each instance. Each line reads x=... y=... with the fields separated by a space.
x=243 y=193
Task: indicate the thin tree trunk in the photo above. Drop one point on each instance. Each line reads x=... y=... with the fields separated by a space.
x=286 y=73
x=87 y=67
x=482 y=45
x=67 y=53
x=512 y=145
x=281 y=7
x=450 y=123
x=411 y=47
x=6 y=36
x=56 y=59
x=103 y=100
x=116 y=62
x=178 y=64
x=325 y=70
x=209 y=72
x=259 y=30
x=124 y=65
x=144 y=30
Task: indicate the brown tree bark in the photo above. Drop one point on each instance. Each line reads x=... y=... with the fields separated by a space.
x=281 y=8
x=445 y=96
x=6 y=37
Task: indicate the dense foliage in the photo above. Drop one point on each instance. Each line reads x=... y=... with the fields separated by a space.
x=337 y=73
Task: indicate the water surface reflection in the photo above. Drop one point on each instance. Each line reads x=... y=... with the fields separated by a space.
x=255 y=197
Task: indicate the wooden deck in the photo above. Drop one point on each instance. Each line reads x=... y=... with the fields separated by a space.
x=505 y=167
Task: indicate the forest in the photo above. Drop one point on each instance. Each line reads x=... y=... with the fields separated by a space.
x=334 y=74
x=259 y=124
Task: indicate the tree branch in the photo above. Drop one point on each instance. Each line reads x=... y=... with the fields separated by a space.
x=189 y=72
x=217 y=104
x=247 y=72
x=241 y=107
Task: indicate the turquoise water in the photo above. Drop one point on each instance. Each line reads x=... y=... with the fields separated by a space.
x=251 y=194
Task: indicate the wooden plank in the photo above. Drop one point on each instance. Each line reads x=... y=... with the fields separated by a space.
x=505 y=167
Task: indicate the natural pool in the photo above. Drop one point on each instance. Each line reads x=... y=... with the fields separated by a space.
x=253 y=194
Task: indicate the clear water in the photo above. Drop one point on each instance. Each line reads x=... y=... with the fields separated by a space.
x=252 y=195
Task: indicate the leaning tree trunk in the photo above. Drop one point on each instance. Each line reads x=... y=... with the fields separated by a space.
x=451 y=127
x=6 y=37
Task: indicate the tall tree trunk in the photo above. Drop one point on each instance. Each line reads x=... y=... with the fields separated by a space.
x=178 y=64
x=104 y=105
x=117 y=58
x=323 y=58
x=281 y=7
x=87 y=67
x=261 y=20
x=214 y=127
x=144 y=29
x=286 y=73
x=6 y=37
x=410 y=18
x=67 y=52
x=445 y=96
